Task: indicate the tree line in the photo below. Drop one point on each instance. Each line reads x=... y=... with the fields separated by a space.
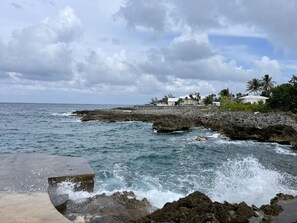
x=280 y=97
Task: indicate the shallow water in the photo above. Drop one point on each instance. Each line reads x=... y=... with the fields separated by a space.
x=161 y=167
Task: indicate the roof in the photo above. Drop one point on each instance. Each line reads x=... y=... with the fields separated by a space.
x=173 y=99
x=253 y=97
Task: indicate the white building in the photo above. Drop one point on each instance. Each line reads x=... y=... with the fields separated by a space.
x=172 y=101
x=253 y=99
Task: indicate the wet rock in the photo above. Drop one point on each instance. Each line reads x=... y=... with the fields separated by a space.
x=118 y=208
x=281 y=197
x=201 y=138
x=197 y=207
x=273 y=209
x=271 y=127
x=172 y=123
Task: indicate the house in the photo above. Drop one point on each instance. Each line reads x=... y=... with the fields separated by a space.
x=187 y=100
x=172 y=101
x=252 y=99
x=216 y=103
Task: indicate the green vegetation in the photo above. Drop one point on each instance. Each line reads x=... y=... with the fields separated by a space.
x=267 y=85
x=254 y=85
x=231 y=105
x=164 y=100
x=208 y=100
x=263 y=86
x=284 y=96
x=225 y=93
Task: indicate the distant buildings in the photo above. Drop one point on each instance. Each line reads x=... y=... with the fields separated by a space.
x=172 y=101
x=253 y=99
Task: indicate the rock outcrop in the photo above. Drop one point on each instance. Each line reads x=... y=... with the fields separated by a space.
x=197 y=207
x=119 y=207
x=270 y=127
x=172 y=123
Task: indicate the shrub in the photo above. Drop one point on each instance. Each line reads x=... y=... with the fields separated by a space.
x=229 y=105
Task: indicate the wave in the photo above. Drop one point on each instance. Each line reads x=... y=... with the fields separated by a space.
x=156 y=197
x=245 y=179
x=236 y=180
x=62 y=114
x=285 y=151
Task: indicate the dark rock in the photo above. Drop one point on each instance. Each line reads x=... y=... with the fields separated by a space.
x=281 y=197
x=120 y=207
x=273 y=209
x=197 y=207
x=271 y=127
x=243 y=212
x=171 y=124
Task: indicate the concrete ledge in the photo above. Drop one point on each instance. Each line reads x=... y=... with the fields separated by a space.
x=24 y=183
x=25 y=208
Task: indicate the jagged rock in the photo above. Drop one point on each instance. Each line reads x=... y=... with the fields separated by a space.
x=271 y=127
x=281 y=197
x=273 y=209
x=172 y=123
x=197 y=207
x=120 y=207
x=201 y=138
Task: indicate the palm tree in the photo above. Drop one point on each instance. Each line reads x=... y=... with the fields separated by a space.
x=225 y=92
x=197 y=96
x=293 y=80
x=254 y=85
x=267 y=85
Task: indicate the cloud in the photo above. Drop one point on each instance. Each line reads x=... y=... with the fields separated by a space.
x=191 y=56
x=144 y=14
x=108 y=69
x=42 y=51
x=267 y=18
x=16 y=5
x=267 y=66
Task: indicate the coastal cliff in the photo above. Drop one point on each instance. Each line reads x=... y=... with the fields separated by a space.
x=277 y=127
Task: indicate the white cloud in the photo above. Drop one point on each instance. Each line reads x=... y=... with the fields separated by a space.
x=267 y=66
x=149 y=15
x=85 y=47
x=192 y=57
x=270 y=18
x=42 y=51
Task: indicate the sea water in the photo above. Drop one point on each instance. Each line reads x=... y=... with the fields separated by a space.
x=130 y=156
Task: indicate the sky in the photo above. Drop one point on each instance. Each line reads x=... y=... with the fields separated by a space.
x=128 y=51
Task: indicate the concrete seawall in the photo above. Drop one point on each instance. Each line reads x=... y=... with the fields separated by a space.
x=24 y=182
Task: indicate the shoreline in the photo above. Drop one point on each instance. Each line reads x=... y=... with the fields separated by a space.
x=279 y=127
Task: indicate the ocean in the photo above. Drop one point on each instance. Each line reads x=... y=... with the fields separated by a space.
x=130 y=156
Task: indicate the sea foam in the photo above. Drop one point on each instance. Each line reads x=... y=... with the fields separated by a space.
x=245 y=179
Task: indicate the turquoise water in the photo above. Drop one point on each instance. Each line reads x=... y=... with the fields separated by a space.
x=161 y=167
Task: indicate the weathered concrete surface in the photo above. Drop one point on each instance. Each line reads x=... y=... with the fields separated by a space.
x=28 y=208
x=24 y=181
x=290 y=211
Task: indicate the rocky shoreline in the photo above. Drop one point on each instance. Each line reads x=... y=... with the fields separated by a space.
x=196 y=207
x=277 y=127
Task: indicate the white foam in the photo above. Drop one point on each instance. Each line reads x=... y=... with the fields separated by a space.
x=285 y=151
x=77 y=196
x=156 y=197
x=62 y=114
x=236 y=180
x=215 y=135
x=71 y=121
x=247 y=180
